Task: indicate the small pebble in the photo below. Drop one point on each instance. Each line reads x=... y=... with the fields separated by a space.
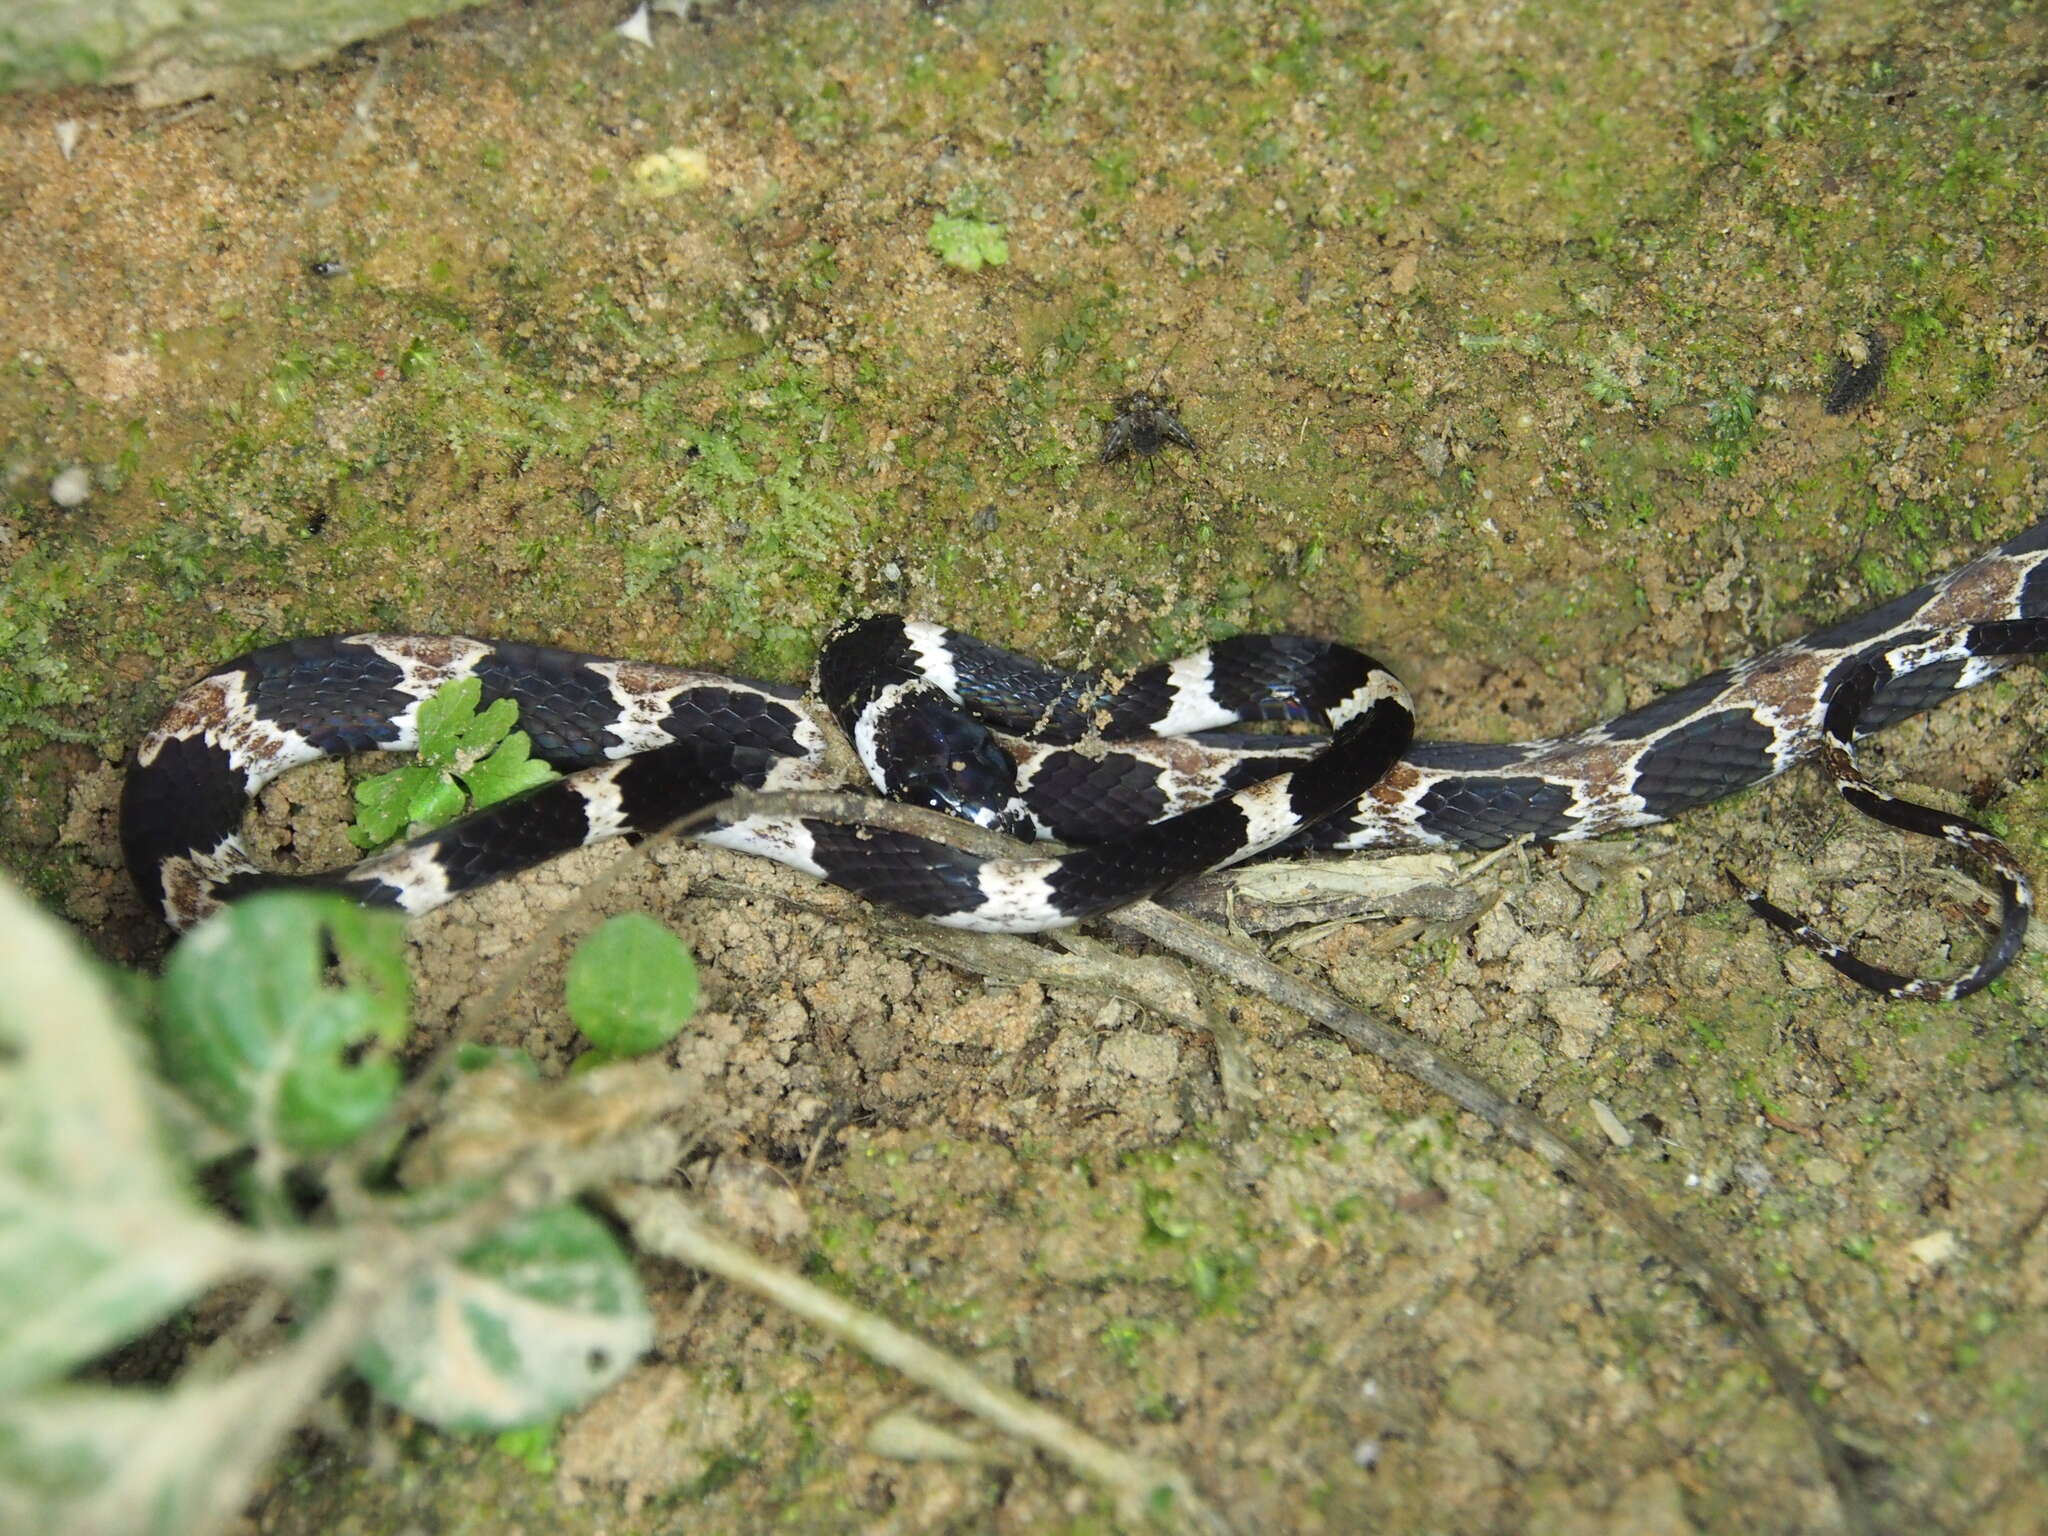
x=669 y=171
x=67 y=135
x=71 y=487
x=1826 y=1172
x=635 y=28
x=1755 y=1176
x=1935 y=1249
x=1611 y=1126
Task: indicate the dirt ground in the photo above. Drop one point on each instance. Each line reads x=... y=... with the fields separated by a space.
x=1505 y=335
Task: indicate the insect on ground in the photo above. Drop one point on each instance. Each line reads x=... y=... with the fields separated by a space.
x=1145 y=422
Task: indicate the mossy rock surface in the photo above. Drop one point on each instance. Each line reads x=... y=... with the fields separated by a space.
x=174 y=50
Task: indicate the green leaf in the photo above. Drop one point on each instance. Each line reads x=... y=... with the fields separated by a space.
x=631 y=985
x=718 y=461
x=474 y=1056
x=489 y=727
x=535 y=1319
x=532 y=1445
x=255 y=1030
x=92 y=1459
x=969 y=244
x=384 y=803
x=464 y=754
x=416 y=359
x=445 y=717
x=435 y=802
x=509 y=771
x=100 y=1236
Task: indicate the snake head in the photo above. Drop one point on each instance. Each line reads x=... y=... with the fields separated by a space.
x=970 y=777
x=923 y=750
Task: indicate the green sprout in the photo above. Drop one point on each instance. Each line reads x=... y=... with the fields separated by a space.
x=465 y=756
x=969 y=244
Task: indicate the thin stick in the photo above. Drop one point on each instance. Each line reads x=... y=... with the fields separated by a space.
x=1405 y=1053
x=1393 y=1045
x=664 y=1222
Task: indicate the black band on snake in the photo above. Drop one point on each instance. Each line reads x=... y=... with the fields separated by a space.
x=1130 y=770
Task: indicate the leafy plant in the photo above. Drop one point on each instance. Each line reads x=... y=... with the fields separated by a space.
x=631 y=986
x=542 y=1314
x=968 y=243
x=278 y=1060
x=1731 y=431
x=446 y=1277
x=466 y=756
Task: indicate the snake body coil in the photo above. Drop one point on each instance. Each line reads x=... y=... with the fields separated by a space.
x=1124 y=769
